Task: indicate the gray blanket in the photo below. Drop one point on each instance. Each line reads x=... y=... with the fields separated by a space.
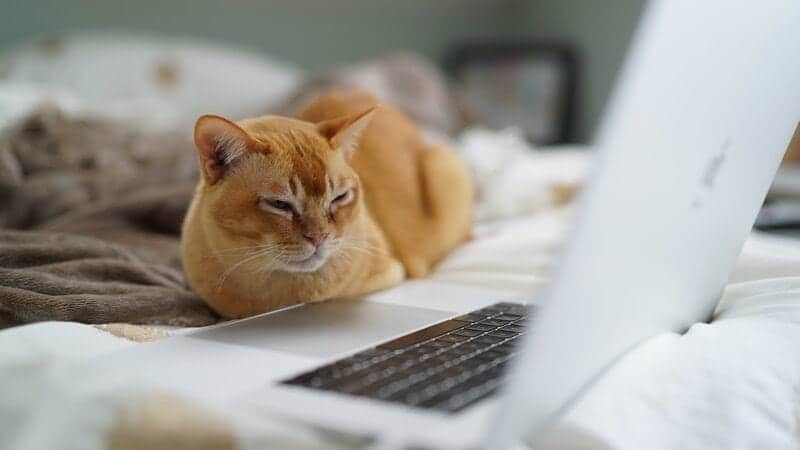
x=57 y=276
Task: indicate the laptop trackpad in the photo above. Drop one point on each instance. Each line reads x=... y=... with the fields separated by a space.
x=325 y=329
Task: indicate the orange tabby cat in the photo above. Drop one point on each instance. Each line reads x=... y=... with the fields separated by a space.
x=344 y=200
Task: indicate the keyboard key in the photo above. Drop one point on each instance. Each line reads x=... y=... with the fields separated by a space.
x=488 y=340
x=472 y=346
x=415 y=352
x=371 y=353
x=508 y=317
x=514 y=328
x=459 y=351
x=481 y=327
x=469 y=318
x=453 y=338
x=493 y=323
x=422 y=335
x=490 y=355
x=466 y=332
x=502 y=334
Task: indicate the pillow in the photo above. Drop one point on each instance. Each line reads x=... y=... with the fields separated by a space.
x=120 y=73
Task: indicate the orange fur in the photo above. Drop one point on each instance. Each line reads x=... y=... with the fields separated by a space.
x=366 y=191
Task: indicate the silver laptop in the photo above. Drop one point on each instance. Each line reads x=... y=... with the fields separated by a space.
x=703 y=111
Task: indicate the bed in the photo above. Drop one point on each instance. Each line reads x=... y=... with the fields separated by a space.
x=732 y=383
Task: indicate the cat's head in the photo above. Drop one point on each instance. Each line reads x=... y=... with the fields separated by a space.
x=281 y=191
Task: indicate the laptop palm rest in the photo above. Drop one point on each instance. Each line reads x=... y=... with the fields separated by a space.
x=325 y=329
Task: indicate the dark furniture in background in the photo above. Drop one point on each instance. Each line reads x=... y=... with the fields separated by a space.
x=530 y=85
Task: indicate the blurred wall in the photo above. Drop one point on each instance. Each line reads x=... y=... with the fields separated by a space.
x=600 y=31
x=321 y=33
x=313 y=33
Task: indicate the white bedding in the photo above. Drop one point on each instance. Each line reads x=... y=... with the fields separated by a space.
x=730 y=384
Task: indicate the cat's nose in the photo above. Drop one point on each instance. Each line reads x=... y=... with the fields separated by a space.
x=316 y=239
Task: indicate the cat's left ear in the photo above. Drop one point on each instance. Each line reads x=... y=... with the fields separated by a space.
x=345 y=132
x=220 y=143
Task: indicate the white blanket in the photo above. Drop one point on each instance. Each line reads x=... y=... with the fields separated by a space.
x=730 y=384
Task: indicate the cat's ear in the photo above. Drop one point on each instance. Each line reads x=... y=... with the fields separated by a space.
x=345 y=132
x=219 y=143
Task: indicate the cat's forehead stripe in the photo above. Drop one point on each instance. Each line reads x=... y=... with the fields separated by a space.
x=304 y=155
x=311 y=171
x=297 y=188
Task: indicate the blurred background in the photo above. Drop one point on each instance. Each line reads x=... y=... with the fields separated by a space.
x=534 y=72
x=587 y=38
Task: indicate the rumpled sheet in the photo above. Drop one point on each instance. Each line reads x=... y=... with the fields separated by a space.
x=733 y=383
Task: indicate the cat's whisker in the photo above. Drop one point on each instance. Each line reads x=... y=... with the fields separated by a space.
x=245 y=249
x=272 y=264
x=241 y=251
x=228 y=271
x=266 y=244
x=359 y=242
x=372 y=248
x=345 y=257
x=350 y=252
x=360 y=246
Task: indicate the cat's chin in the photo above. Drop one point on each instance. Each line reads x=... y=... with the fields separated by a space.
x=310 y=264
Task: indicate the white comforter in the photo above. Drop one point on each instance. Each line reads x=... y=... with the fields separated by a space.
x=730 y=384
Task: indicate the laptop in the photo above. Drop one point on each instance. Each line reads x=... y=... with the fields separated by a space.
x=703 y=110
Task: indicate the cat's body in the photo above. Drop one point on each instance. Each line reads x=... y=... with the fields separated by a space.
x=345 y=200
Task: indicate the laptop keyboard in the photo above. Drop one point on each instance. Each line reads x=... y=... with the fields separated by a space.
x=446 y=367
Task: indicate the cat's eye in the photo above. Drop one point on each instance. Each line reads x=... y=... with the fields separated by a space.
x=280 y=204
x=276 y=205
x=342 y=198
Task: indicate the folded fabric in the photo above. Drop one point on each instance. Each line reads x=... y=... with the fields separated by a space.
x=53 y=162
x=52 y=276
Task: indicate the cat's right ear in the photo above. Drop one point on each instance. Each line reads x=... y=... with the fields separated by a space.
x=345 y=132
x=219 y=143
